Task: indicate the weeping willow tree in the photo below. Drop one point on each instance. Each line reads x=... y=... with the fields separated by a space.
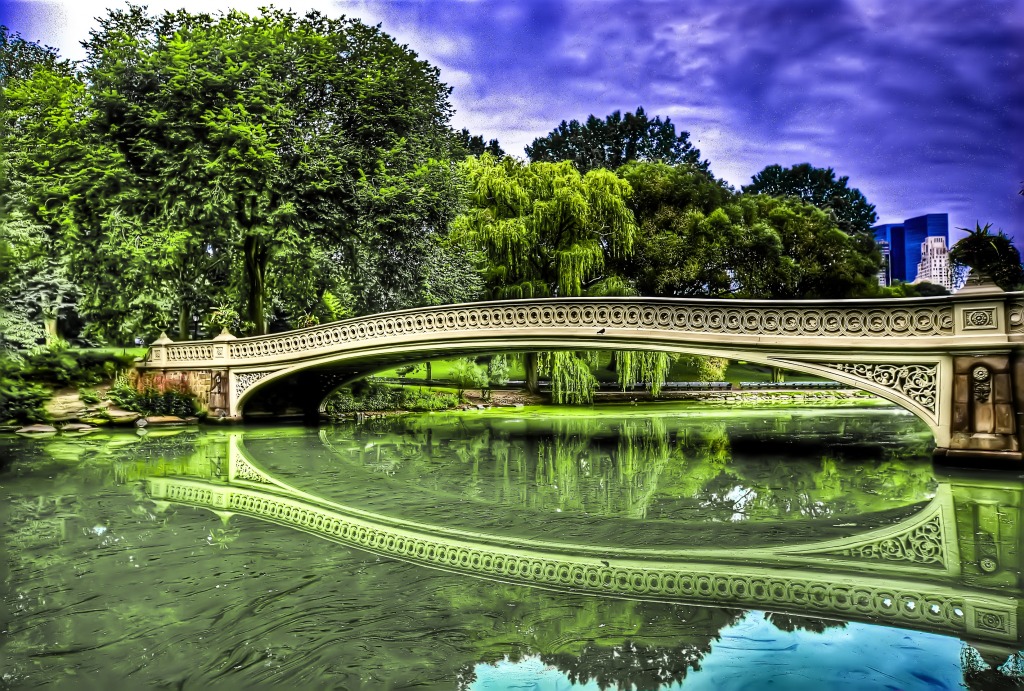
x=545 y=230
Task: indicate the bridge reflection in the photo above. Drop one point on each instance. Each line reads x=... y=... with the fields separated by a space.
x=953 y=567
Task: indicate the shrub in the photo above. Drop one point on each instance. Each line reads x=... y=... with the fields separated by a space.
x=151 y=401
x=20 y=399
x=380 y=397
x=90 y=396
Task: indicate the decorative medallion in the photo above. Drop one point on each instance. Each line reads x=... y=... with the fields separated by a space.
x=990 y=620
x=980 y=318
x=981 y=383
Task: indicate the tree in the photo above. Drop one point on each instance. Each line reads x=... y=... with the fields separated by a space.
x=988 y=254
x=818 y=186
x=405 y=257
x=615 y=141
x=473 y=144
x=685 y=241
x=544 y=229
x=793 y=250
x=19 y=58
x=238 y=160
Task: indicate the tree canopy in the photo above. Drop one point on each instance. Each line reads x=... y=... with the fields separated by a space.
x=818 y=186
x=615 y=141
x=474 y=145
x=240 y=159
x=544 y=229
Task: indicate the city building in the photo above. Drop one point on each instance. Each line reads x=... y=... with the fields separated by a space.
x=905 y=244
x=934 y=264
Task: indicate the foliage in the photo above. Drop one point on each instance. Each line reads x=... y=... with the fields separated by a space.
x=901 y=289
x=58 y=365
x=818 y=186
x=21 y=399
x=992 y=255
x=686 y=242
x=466 y=374
x=615 y=141
x=380 y=397
x=650 y=368
x=793 y=250
x=252 y=161
x=709 y=368
x=473 y=144
x=151 y=401
x=543 y=229
x=403 y=256
x=572 y=382
x=90 y=396
x=497 y=370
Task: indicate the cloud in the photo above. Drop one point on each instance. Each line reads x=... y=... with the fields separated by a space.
x=920 y=102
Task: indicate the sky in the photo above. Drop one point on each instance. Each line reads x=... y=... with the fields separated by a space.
x=919 y=102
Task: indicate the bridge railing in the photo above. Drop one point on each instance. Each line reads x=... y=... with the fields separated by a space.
x=850 y=321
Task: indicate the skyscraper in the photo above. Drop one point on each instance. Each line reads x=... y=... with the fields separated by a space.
x=906 y=243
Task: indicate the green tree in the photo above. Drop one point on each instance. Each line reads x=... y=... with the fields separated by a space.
x=404 y=255
x=474 y=145
x=818 y=186
x=615 y=141
x=240 y=160
x=989 y=254
x=543 y=229
x=793 y=250
x=685 y=242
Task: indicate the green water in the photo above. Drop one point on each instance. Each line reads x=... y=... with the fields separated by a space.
x=647 y=548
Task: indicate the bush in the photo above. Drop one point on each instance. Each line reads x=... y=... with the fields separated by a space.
x=151 y=401
x=426 y=400
x=20 y=399
x=89 y=396
x=58 y=365
x=380 y=397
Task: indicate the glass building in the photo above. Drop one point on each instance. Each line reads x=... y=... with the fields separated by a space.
x=905 y=241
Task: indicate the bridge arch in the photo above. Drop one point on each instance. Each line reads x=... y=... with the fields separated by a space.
x=918 y=397
x=952 y=361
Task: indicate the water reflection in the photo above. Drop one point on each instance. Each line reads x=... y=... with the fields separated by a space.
x=111 y=569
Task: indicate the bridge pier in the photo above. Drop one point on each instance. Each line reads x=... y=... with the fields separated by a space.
x=987 y=394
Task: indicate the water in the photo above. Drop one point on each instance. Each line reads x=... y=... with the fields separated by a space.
x=639 y=548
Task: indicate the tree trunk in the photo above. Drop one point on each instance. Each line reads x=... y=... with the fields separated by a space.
x=256 y=259
x=50 y=327
x=183 y=323
x=429 y=371
x=531 y=365
x=778 y=375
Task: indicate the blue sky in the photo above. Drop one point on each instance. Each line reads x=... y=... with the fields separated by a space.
x=919 y=102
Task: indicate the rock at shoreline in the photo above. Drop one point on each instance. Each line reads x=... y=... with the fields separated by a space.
x=120 y=417
x=77 y=427
x=160 y=420
x=37 y=429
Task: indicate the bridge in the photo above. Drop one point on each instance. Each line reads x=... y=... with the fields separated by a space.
x=953 y=567
x=953 y=361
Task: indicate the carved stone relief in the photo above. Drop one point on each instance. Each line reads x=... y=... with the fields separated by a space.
x=919 y=383
x=245 y=380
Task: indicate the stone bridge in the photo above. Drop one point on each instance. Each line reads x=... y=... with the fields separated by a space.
x=956 y=362
x=953 y=567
